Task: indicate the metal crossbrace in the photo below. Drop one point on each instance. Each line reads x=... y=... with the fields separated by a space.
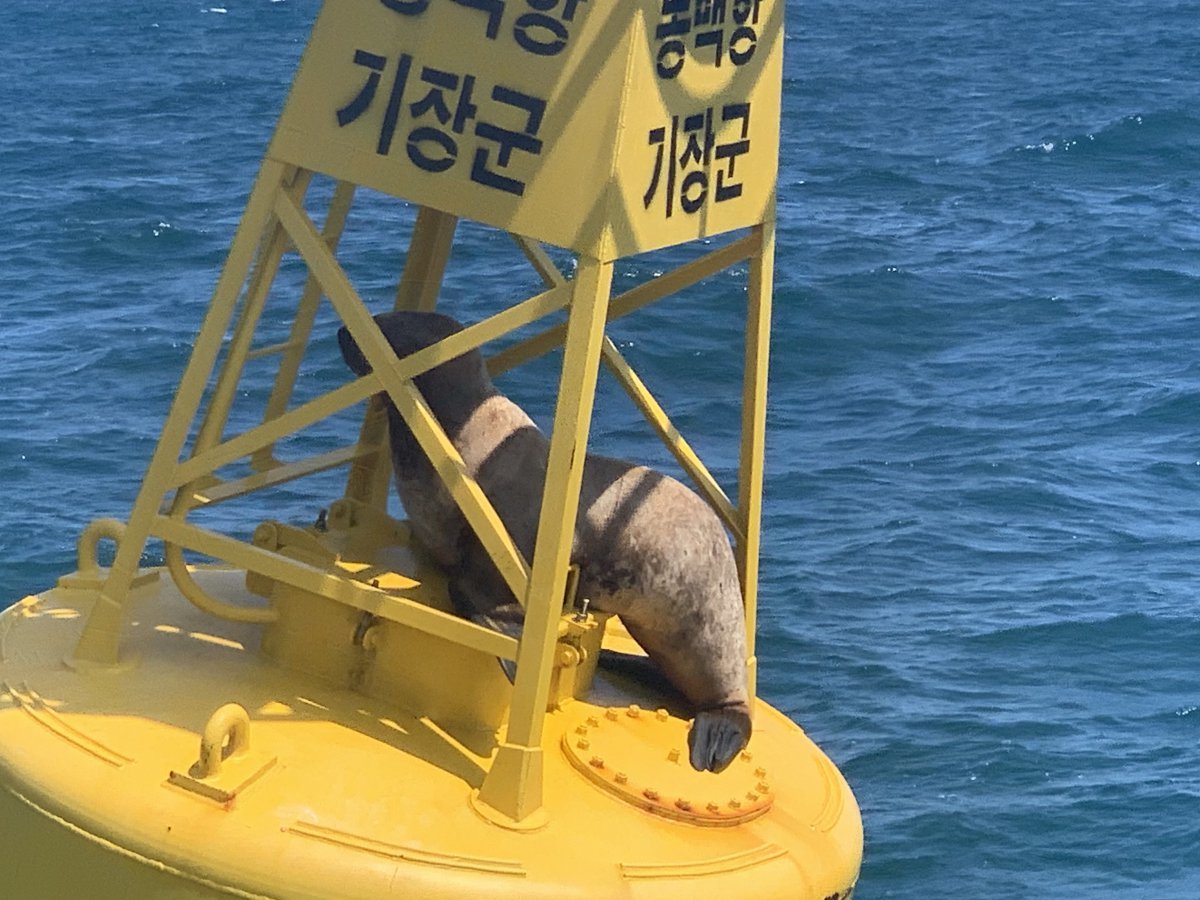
x=276 y=209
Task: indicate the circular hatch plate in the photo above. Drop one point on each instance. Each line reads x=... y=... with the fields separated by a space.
x=641 y=756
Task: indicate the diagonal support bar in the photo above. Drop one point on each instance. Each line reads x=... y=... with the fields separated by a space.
x=262 y=277
x=670 y=436
x=99 y=644
x=394 y=377
x=632 y=300
x=306 y=313
x=421 y=282
x=279 y=474
x=268 y=433
x=540 y=260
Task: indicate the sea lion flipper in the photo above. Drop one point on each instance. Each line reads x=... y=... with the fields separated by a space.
x=717 y=736
x=505 y=625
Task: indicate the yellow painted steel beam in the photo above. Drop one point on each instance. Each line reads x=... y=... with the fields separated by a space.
x=475 y=505
x=306 y=313
x=270 y=350
x=368 y=483
x=99 y=645
x=632 y=300
x=335 y=587
x=254 y=301
x=670 y=436
x=754 y=428
x=394 y=376
x=329 y=272
x=507 y=320
x=268 y=433
x=327 y=404
x=514 y=784
x=541 y=261
x=425 y=264
x=424 y=268
x=280 y=474
x=369 y=478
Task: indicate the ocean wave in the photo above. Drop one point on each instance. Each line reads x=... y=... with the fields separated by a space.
x=1170 y=135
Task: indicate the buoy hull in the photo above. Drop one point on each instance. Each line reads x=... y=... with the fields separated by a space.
x=339 y=794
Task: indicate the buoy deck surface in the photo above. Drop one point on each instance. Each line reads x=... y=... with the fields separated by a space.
x=342 y=795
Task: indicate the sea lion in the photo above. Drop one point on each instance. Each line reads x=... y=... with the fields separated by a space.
x=648 y=548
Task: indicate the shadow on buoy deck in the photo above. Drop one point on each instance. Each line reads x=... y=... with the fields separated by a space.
x=334 y=793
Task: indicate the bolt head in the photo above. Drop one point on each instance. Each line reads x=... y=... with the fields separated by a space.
x=568 y=656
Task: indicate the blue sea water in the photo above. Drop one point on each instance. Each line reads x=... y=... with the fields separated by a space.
x=982 y=529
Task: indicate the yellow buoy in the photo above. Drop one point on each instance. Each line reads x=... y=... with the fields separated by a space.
x=306 y=716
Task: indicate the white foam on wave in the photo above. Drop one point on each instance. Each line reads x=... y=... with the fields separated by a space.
x=1064 y=146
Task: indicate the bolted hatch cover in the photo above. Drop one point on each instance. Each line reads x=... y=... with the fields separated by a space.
x=641 y=756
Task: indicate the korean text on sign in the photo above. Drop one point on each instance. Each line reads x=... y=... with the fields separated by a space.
x=541 y=27
x=433 y=108
x=686 y=154
x=726 y=29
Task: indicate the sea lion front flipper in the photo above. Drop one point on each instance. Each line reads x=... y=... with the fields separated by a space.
x=717 y=736
x=507 y=626
x=507 y=619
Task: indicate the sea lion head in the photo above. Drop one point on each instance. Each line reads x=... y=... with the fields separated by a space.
x=453 y=388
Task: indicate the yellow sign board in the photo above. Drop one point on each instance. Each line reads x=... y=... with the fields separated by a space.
x=608 y=127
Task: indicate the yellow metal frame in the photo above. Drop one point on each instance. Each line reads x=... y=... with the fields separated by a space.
x=610 y=66
x=275 y=220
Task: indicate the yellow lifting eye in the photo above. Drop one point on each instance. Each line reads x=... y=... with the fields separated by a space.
x=225 y=767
